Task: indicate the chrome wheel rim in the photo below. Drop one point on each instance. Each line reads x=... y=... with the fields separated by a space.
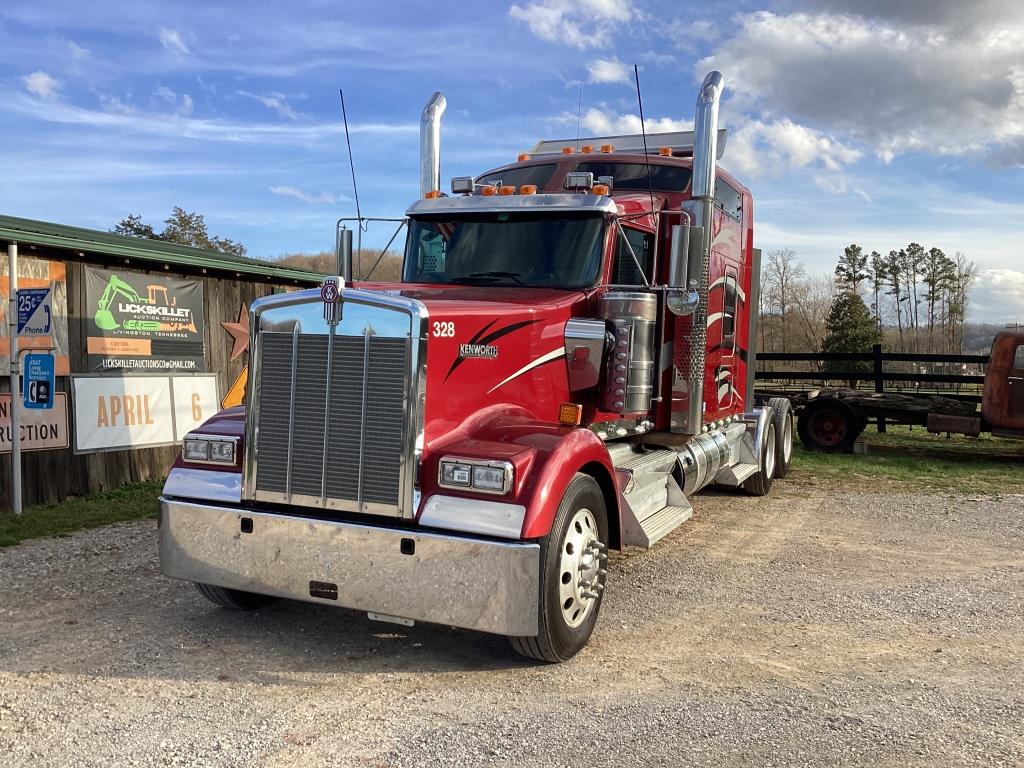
x=787 y=439
x=581 y=573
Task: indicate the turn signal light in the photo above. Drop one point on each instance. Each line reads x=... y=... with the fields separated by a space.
x=665 y=151
x=506 y=189
x=528 y=189
x=566 y=150
x=487 y=190
x=570 y=414
x=523 y=156
x=587 y=149
x=600 y=189
x=607 y=148
x=431 y=194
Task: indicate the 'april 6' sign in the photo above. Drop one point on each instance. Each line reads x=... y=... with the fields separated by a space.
x=38 y=381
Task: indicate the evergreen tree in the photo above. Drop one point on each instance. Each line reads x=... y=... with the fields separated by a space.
x=852 y=269
x=850 y=328
x=182 y=228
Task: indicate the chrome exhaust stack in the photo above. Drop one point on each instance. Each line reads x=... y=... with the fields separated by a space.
x=430 y=144
x=705 y=155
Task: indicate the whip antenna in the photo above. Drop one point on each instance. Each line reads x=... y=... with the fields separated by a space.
x=643 y=133
x=579 y=112
x=351 y=162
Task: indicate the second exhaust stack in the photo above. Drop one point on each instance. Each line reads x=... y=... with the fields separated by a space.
x=430 y=144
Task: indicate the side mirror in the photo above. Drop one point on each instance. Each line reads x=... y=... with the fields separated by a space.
x=682 y=297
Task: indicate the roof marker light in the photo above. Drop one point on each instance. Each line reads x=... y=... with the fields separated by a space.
x=523 y=157
x=487 y=190
x=600 y=189
x=528 y=189
x=566 y=150
x=665 y=151
x=607 y=148
x=587 y=149
x=432 y=194
x=506 y=189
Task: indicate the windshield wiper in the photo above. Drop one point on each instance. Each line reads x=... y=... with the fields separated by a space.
x=475 y=277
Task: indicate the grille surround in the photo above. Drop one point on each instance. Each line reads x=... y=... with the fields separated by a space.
x=334 y=412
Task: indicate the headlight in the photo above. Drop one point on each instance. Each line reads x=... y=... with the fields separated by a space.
x=476 y=474
x=210 y=449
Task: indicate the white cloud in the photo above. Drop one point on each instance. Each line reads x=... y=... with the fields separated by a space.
x=41 y=84
x=608 y=71
x=167 y=94
x=578 y=23
x=182 y=106
x=998 y=296
x=76 y=51
x=323 y=198
x=892 y=84
x=171 y=40
x=186 y=106
x=603 y=122
x=771 y=147
x=274 y=101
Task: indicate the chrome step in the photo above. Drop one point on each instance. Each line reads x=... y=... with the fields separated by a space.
x=663 y=522
x=652 y=461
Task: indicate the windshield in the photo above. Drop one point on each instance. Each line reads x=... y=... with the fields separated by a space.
x=544 y=250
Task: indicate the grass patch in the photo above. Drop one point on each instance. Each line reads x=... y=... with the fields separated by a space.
x=129 y=503
x=918 y=460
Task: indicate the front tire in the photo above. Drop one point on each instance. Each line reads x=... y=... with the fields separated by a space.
x=234 y=599
x=572 y=576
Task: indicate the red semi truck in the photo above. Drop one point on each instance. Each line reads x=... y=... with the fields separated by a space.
x=567 y=360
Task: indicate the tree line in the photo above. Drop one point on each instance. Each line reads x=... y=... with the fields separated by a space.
x=917 y=301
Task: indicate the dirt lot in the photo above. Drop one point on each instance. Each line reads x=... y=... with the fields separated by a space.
x=809 y=628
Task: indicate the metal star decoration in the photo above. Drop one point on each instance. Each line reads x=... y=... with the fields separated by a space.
x=239 y=332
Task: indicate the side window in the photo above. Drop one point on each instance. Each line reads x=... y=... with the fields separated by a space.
x=626 y=272
x=728 y=199
x=729 y=309
x=1018 y=359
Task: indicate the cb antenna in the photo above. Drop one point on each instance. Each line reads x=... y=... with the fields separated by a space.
x=643 y=133
x=579 y=112
x=351 y=162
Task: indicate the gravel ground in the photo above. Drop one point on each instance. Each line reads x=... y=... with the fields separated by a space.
x=808 y=628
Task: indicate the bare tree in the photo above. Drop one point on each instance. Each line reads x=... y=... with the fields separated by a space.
x=782 y=272
x=811 y=302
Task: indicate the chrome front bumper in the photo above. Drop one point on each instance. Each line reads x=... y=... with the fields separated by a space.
x=462 y=582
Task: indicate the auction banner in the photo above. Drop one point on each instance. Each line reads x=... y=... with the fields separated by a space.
x=143 y=322
x=126 y=412
x=42 y=310
x=41 y=430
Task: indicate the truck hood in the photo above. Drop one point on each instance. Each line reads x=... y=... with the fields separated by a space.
x=492 y=348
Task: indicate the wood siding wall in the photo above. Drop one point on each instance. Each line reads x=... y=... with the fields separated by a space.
x=51 y=476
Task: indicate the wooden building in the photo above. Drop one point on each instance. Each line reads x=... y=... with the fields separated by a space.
x=63 y=258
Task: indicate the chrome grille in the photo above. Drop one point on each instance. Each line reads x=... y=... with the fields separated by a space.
x=331 y=420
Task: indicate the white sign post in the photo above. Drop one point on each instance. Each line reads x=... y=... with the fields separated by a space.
x=12 y=322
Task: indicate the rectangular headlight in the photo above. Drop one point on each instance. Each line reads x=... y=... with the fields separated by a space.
x=489 y=478
x=195 y=449
x=209 y=449
x=476 y=474
x=455 y=473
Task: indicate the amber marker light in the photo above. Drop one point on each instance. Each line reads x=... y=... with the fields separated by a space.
x=506 y=189
x=488 y=190
x=570 y=414
x=587 y=149
x=432 y=194
x=607 y=148
x=523 y=156
x=566 y=150
x=528 y=189
x=665 y=151
x=600 y=189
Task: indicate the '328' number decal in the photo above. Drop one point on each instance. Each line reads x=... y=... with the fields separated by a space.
x=444 y=329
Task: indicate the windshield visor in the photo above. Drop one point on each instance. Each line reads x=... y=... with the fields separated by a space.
x=545 y=250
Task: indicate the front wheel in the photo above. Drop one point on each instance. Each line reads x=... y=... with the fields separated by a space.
x=573 y=559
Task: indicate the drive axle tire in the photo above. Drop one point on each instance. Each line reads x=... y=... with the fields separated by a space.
x=760 y=482
x=233 y=598
x=829 y=425
x=573 y=573
x=782 y=418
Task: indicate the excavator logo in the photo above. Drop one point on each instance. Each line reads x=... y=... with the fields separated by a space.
x=149 y=314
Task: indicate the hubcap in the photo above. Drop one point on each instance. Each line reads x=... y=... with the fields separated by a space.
x=787 y=440
x=582 y=573
x=828 y=427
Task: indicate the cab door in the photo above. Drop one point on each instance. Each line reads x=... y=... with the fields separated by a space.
x=1002 y=404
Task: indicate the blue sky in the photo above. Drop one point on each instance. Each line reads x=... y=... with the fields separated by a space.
x=869 y=121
